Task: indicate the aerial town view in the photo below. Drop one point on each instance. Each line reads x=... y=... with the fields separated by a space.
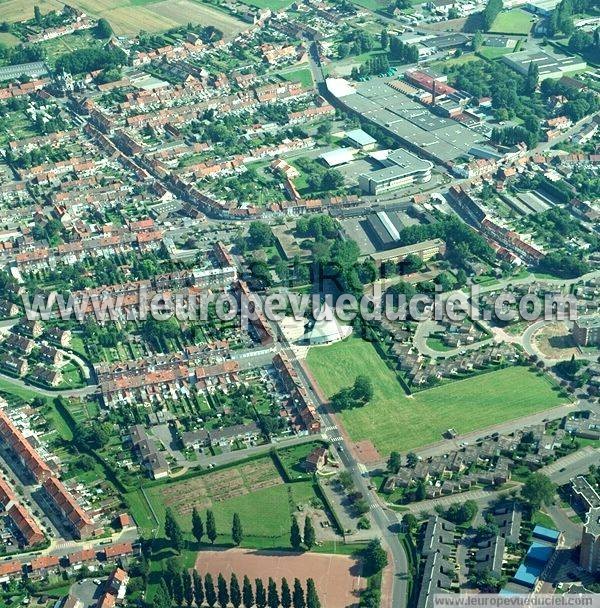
x=299 y=303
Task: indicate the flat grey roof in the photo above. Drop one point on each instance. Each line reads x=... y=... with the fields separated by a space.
x=33 y=69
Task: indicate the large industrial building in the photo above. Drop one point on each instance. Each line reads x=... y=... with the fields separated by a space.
x=439 y=139
x=549 y=66
x=400 y=168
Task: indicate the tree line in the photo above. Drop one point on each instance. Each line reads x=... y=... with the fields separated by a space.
x=183 y=588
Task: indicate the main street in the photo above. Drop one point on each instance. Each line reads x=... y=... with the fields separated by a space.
x=385 y=521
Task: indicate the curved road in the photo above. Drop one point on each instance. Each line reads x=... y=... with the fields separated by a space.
x=76 y=392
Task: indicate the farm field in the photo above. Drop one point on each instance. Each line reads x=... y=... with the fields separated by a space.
x=254 y=490
x=131 y=16
x=337 y=577
x=393 y=421
x=513 y=22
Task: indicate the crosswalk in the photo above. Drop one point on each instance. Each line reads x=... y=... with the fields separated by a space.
x=332 y=433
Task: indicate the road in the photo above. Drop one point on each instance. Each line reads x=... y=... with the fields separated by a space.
x=385 y=521
x=76 y=392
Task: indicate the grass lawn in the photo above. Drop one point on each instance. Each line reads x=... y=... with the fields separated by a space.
x=301 y=75
x=543 y=519
x=436 y=343
x=393 y=421
x=492 y=52
x=513 y=22
x=8 y=39
x=27 y=394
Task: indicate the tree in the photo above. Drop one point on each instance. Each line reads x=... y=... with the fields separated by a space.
x=295 y=537
x=420 y=491
x=538 y=490
x=260 y=235
x=173 y=531
x=162 y=597
x=384 y=39
x=298 y=600
x=491 y=11
x=362 y=390
x=411 y=460
x=532 y=78
x=237 y=533
x=197 y=525
x=209 y=590
x=198 y=589
x=234 y=591
x=375 y=557
x=188 y=588
x=309 y=533
x=247 y=593
x=312 y=598
x=222 y=591
x=286 y=596
x=177 y=588
x=211 y=527
x=394 y=462
x=260 y=595
x=410 y=521
x=462 y=513
x=37 y=15
x=324 y=130
x=103 y=29
x=272 y=596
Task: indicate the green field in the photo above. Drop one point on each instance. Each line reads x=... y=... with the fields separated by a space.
x=265 y=512
x=274 y=5
x=393 y=421
x=513 y=22
x=301 y=75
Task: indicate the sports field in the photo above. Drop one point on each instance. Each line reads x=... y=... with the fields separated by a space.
x=393 y=421
x=513 y=22
x=131 y=16
x=254 y=490
x=337 y=577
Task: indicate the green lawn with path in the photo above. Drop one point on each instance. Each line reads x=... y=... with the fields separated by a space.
x=394 y=421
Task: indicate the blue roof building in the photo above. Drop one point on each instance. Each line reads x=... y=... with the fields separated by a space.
x=539 y=553
x=528 y=574
x=547 y=534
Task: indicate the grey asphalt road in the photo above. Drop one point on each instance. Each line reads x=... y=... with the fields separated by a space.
x=385 y=521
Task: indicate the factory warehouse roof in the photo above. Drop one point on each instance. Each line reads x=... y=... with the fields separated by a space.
x=339 y=156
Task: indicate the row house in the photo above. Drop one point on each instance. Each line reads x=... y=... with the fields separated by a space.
x=23 y=450
x=78 y=520
x=8 y=309
x=300 y=402
x=41 y=566
x=20 y=518
x=43 y=375
x=17 y=365
x=26 y=88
